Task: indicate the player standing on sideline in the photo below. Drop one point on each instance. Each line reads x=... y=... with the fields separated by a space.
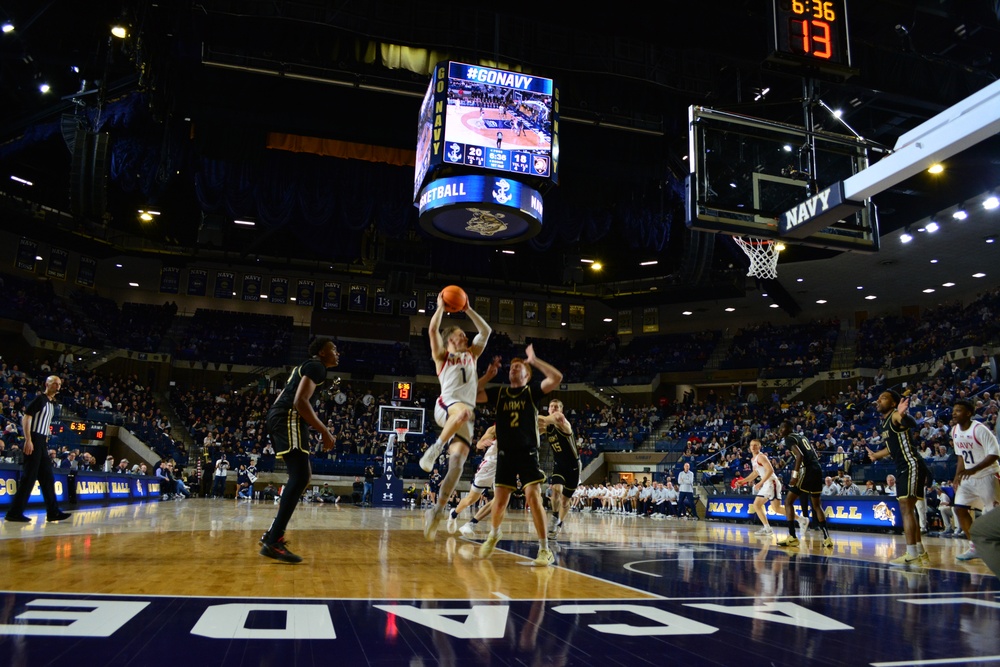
x=36 y=422
x=288 y=423
x=685 y=491
x=516 y=410
x=768 y=489
x=911 y=471
x=455 y=410
x=483 y=481
x=566 y=469
x=976 y=476
x=807 y=480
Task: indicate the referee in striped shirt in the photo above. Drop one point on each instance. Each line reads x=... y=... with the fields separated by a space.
x=36 y=421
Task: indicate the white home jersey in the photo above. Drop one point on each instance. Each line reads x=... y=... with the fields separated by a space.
x=974 y=445
x=458 y=379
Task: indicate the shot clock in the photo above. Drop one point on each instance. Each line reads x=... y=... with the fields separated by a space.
x=812 y=35
x=402 y=391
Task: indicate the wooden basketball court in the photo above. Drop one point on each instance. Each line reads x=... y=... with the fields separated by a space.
x=182 y=583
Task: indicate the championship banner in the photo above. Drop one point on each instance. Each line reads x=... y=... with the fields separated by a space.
x=383 y=304
x=650 y=319
x=331 y=296
x=625 y=321
x=430 y=302
x=506 y=311
x=483 y=306
x=553 y=315
x=358 y=299
x=251 y=287
x=58 y=261
x=408 y=306
x=197 y=282
x=86 y=274
x=225 y=284
x=306 y=291
x=577 y=317
x=278 y=292
x=27 y=251
x=529 y=313
x=170 y=280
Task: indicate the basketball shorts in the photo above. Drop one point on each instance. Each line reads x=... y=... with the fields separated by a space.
x=810 y=482
x=485 y=474
x=288 y=431
x=464 y=431
x=518 y=464
x=911 y=481
x=568 y=476
x=981 y=493
x=771 y=490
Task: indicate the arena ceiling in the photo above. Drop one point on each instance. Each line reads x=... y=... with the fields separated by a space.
x=198 y=83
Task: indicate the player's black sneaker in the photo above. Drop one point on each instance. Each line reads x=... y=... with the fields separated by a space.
x=278 y=550
x=62 y=516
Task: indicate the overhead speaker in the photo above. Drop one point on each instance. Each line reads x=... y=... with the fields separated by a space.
x=88 y=177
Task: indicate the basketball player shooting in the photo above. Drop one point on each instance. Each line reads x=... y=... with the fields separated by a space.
x=454 y=411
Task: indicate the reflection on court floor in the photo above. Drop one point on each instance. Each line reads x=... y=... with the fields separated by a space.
x=172 y=583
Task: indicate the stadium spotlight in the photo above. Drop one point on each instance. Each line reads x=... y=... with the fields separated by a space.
x=935 y=168
x=932 y=227
x=905 y=237
x=991 y=203
x=960 y=215
x=119 y=31
x=7 y=27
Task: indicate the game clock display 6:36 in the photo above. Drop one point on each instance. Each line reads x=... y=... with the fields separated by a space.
x=812 y=31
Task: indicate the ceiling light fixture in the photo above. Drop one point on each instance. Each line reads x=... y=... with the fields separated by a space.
x=978 y=275
x=587 y=261
x=44 y=88
x=18 y=179
x=947 y=284
x=960 y=215
x=651 y=262
x=935 y=168
x=596 y=266
x=991 y=203
x=607 y=319
x=820 y=301
x=929 y=290
x=245 y=223
x=905 y=237
x=933 y=227
x=687 y=312
x=870 y=297
x=7 y=27
x=730 y=309
x=119 y=31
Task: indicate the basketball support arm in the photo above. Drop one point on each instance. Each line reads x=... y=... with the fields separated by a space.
x=958 y=127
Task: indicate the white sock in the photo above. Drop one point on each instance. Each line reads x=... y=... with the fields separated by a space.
x=920 y=548
x=543 y=543
x=911 y=550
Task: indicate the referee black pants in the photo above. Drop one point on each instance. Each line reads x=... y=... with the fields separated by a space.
x=37 y=467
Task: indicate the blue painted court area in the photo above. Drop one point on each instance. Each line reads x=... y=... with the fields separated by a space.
x=718 y=605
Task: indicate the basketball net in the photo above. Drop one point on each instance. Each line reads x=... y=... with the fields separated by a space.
x=763 y=254
x=401 y=434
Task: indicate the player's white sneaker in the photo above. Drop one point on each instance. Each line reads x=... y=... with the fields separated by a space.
x=467 y=530
x=803 y=523
x=430 y=456
x=969 y=554
x=764 y=531
x=544 y=558
x=487 y=547
x=452 y=524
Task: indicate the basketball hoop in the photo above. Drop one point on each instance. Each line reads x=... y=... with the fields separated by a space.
x=763 y=254
x=401 y=433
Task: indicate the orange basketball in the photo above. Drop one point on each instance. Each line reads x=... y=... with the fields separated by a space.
x=455 y=299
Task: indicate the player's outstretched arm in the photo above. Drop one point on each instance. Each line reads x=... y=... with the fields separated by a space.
x=483 y=327
x=553 y=376
x=438 y=349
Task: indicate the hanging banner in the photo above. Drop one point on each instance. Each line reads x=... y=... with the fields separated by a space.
x=197 y=282
x=306 y=291
x=278 y=291
x=58 y=261
x=529 y=313
x=383 y=304
x=650 y=319
x=624 y=321
x=27 y=251
x=483 y=307
x=358 y=299
x=430 y=302
x=331 y=296
x=408 y=306
x=170 y=280
x=553 y=315
x=577 y=317
x=251 y=287
x=87 y=273
x=505 y=314
x=225 y=283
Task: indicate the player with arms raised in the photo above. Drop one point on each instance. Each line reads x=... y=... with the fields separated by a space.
x=454 y=411
x=976 y=476
x=912 y=474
